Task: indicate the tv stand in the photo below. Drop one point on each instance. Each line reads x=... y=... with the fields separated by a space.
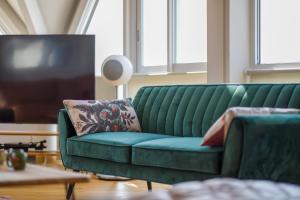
x=28 y=133
x=44 y=154
x=16 y=133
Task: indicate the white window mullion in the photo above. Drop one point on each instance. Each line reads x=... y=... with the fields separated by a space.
x=171 y=34
x=160 y=55
x=138 y=36
x=130 y=31
x=256 y=8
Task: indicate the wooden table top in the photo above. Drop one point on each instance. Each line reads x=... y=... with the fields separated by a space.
x=43 y=153
x=28 y=133
x=35 y=175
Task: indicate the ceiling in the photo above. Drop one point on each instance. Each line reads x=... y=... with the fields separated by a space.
x=41 y=16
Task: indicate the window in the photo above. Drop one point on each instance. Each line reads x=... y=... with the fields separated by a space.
x=278 y=31
x=154 y=33
x=107 y=25
x=172 y=35
x=190 y=31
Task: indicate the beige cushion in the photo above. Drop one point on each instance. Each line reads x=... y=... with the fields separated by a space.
x=92 y=116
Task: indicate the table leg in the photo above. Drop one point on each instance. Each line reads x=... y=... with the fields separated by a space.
x=69 y=191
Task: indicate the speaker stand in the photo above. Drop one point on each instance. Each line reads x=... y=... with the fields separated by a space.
x=116 y=89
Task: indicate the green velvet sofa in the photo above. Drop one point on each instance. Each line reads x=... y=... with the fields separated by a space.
x=174 y=120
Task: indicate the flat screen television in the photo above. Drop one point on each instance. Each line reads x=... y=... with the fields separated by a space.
x=37 y=72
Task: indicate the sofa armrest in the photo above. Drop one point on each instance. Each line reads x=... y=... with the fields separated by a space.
x=66 y=130
x=263 y=147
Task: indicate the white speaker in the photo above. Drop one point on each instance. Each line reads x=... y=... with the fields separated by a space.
x=116 y=70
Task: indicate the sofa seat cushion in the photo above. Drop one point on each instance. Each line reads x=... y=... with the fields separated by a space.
x=112 y=146
x=182 y=153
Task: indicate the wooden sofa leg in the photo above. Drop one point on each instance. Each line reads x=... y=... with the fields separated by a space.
x=70 y=189
x=149 y=186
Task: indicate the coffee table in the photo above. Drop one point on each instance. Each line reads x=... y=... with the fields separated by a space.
x=36 y=175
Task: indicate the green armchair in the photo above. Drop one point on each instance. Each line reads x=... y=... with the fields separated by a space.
x=263 y=147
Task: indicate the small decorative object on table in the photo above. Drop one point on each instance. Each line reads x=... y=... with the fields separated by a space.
x=16 y=158
x=2 y=157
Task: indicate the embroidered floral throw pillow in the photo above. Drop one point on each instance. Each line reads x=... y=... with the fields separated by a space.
x=217 y=133
x=91 y=116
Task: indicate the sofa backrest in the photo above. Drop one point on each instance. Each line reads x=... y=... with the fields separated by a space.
x=189 y=110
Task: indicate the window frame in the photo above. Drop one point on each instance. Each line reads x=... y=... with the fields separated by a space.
x=172 y=66
x=257 y=66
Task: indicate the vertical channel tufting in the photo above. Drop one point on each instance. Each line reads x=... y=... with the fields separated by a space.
x=249 y=95
x=170 y=119
x=272 y=96
x=190 y=111
x=208 y=114
x=179 y=118
x=284 y=96
x=260 y=96
x=225 y=99
x=266 y=96
x=137 y=98
x=295 y=98
x=237 y=96
x=164 y=109
x=155 y=109
x=148 y=108
x=141 y=103
x=200 y=110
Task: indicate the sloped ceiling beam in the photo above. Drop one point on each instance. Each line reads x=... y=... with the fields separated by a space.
x=10 y=21
x=82 y=16
x=32 y=15
x=28 y=17
x=15 y=5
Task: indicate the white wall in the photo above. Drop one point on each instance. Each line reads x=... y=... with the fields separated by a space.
x=139 y=81
x=276 y=77
x=107 y=26
x=238 y=40
x=104 y=90
x=215 y=41
x=239 y=47
x=229 y=40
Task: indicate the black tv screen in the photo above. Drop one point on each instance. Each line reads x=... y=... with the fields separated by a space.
x=37 y=72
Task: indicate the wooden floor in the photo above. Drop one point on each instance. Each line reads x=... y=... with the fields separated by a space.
x=94 y=190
